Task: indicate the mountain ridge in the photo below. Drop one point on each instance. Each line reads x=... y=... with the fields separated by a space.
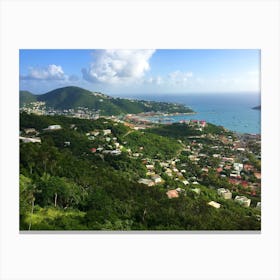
x=72 y=97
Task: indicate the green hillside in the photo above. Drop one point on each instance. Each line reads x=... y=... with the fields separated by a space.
x=73 y=97
x=26 y=97
x=71 y=187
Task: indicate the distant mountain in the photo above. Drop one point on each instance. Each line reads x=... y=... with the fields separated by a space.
x=257 y=107
x=73 y=97
x=26 y=97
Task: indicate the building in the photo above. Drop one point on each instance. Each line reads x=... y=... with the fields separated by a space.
x=225 y=193
x=258 y=205
x=172 y=194
x=150 y=167
x=29 y=140
x=214 y=204
x=106 y=131
x=147 y=182
x=196 y=190
x=156 y=178
x=54 y=127
x=30 y=131
x=243 y=200
x=238 y=166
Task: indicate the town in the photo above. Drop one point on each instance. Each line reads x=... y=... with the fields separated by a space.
x=228 y=163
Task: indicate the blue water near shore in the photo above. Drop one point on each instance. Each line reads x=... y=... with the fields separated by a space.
x=233 y=111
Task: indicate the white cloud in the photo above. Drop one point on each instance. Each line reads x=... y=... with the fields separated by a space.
x=51 y=72
x=179 y=77
x=115 y=66
x=155 y=80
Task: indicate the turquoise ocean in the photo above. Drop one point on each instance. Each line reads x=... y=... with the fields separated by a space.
x=232 y=111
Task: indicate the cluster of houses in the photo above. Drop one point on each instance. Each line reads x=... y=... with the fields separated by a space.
x=111 y=145
x=230 y=156
x=226 y=194
x=39 y=108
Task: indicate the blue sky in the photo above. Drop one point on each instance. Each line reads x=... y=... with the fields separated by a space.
x=146 y=71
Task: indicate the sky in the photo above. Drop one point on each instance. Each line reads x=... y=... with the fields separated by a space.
x=143 y=71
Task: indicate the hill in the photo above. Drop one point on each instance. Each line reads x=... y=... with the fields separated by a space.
x=73 y=180
x=73 y=97
x=26 y=97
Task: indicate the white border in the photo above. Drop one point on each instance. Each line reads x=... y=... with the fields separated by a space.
x=124 y=24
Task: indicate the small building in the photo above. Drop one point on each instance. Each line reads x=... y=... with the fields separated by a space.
x=258 y=175
x=93 y=150
x=214 y=204
x=150 y=167
x=67 y=143
x=258 y=205
x=54 y=127
x=30 y=131
x=243 y=200
x=238 y=166
x=196 y=190
x=156 y=178
x=147 y=182
x=225 y=193
x=107 y=131
x=172 y=194
x=29 y=140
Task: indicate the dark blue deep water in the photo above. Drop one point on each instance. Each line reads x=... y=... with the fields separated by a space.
x=233 y=111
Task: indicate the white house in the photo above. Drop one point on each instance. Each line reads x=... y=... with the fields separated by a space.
x=30 y=140
x=238 y=166
x=225 y=193
x=214 y=204
x=156 y=178
x=147 y=182
x=243 y=200
x=106 y=131
x=54 y=127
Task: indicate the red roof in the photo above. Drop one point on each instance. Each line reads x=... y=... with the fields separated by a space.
x=220 y=169
x=93 y=150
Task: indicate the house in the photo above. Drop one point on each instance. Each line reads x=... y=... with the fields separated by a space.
x=258 y=175
x=225 y=193
x=106 y=131
x=243 y=200
x=147 y=182
x=202 y=123
x=196 y=190
x=116 y=152
x=219 y=169
x=67 y=143
x=168 y=172
x=95 y=133
x=185 y=182
x=172 y=194
x=30 y=131
x=53 y=127
x=258 y=205
x=150 y=167
x=214 y=204
x=156 y=178
x=30 y=140
x=93 y=150
x=238 y=166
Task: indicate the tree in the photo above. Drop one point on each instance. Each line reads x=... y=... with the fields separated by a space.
x=27 y=199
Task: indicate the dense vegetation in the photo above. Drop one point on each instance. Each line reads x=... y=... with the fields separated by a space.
x=67 y=187
x=74 y=97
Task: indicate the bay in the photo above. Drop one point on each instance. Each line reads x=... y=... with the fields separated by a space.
x=230 y=110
